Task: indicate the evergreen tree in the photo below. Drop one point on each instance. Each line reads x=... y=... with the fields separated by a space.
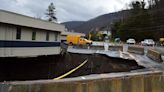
x=137 y=6
x=143 y=23
x=161 y=4
x=51 y=13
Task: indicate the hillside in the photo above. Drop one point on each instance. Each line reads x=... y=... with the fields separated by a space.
x=71 y=25
x=99 y=21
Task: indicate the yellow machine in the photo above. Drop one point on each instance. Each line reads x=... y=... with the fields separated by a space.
x=161 y=41
x=76 y=39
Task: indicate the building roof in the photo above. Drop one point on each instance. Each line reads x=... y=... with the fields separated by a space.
x=65 y=33
x=22 y=20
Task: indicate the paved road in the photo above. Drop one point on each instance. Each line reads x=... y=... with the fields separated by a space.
x=150 y=65
x=126 y=45
x=141 y=59
x=144 y=60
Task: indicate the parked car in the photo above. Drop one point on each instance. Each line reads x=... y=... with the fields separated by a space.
x=117 y=40
x=131 y=41
x=148 y=42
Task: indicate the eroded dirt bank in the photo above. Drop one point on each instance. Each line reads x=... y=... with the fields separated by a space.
x=48 y=67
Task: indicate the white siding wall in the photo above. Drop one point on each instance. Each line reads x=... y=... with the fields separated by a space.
x=8 y=32
x=2 y=33
x=59 y=37
x=53 y=36
x=40 y=35
x=63 y=37
x=29 y=52
x=26 y=34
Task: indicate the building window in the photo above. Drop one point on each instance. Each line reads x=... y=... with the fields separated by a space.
x=34 y=35
x=47 y=36
x=18 y=33
x=56 y=36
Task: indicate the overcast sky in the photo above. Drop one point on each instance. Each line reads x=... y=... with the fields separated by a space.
x=67 y=10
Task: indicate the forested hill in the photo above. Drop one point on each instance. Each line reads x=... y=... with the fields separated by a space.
x=100 y=21
x=71 y=25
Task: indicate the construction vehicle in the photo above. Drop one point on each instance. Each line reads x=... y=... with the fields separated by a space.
x=77 y=40
x=161 y=41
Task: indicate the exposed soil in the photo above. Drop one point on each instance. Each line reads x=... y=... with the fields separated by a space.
x=48 y=67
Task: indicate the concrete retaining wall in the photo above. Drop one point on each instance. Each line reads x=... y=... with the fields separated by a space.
x=136 y=50
x=154 y=55
x=116 y=48
x=97 y=47
x=112 y=48
x=139 y=83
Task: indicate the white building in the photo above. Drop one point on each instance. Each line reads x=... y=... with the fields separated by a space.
x=23 y=36
x=108 y=33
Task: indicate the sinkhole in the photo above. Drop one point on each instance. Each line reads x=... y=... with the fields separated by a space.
x=49 y=67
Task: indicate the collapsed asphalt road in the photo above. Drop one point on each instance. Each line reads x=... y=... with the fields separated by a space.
x=49 y=67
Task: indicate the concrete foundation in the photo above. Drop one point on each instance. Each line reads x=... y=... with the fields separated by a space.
x=136 y=83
